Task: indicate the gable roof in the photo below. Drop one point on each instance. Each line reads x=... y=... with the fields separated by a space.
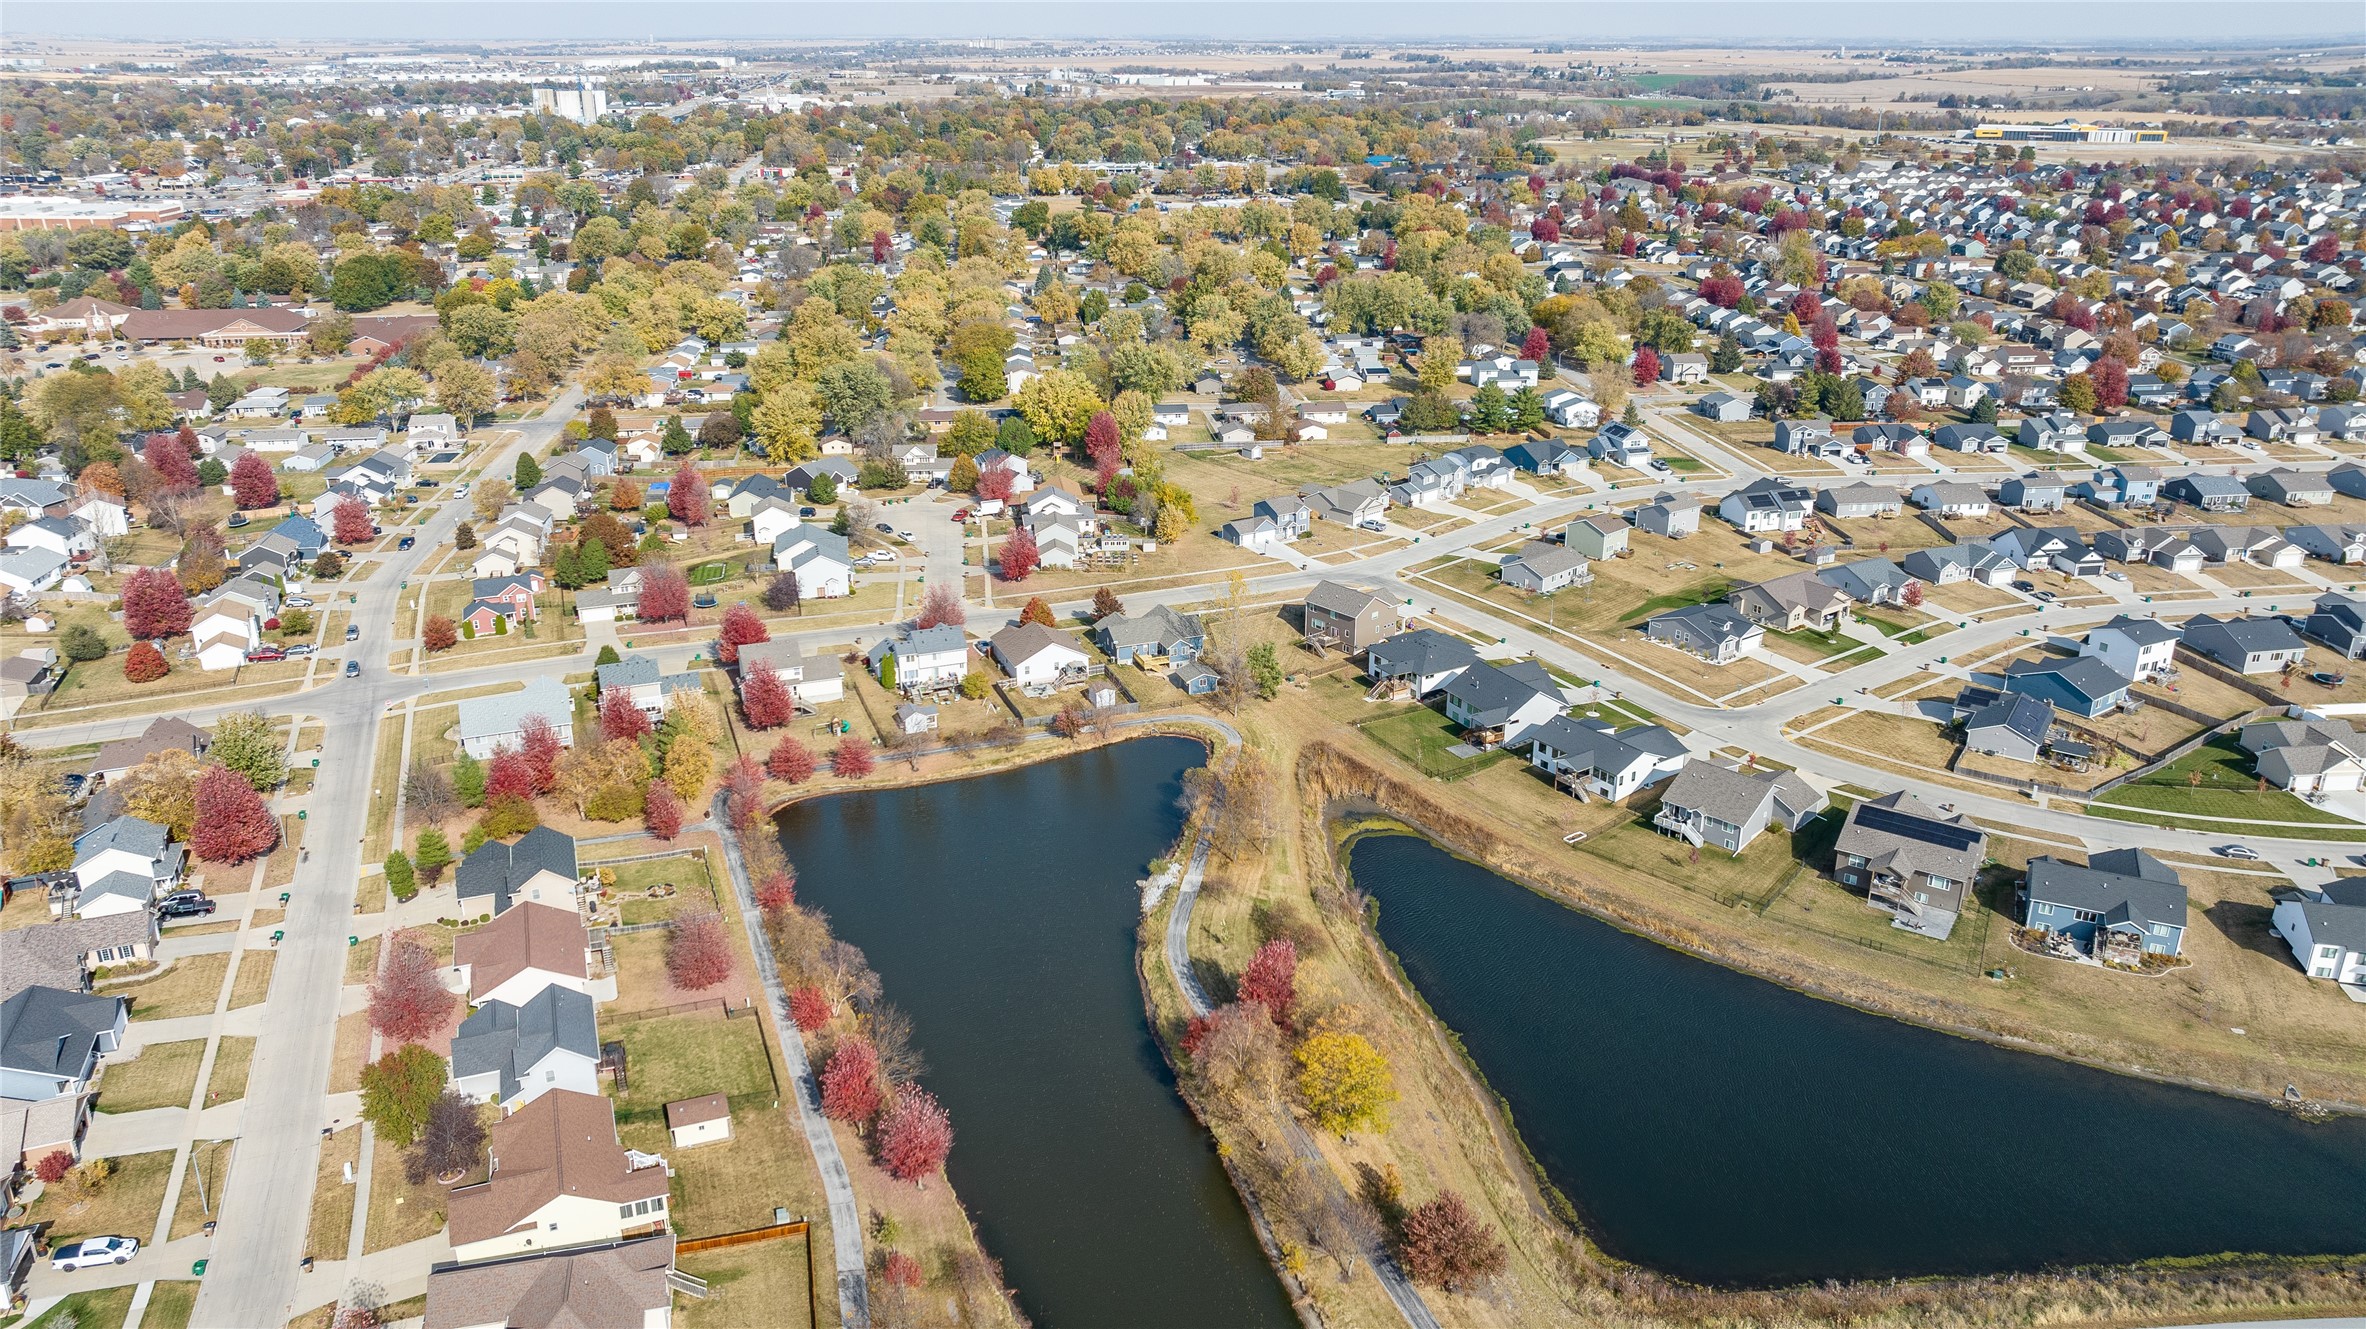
x=505 y=712
x=2025 y=715
x=54 y=1032
x=2119 y=896
x=531 y=936
x=611 y=1287
x=563 y=1143
x=511 y=1040
x=1337 y=597
x=2085 y=675
x=498 y=869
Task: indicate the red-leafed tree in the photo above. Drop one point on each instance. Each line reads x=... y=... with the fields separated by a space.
x=540 y=745
x=1537 y=345
x=698 y=954
x=790 y=763
x=509 y=775
x=1020 y=556
x=741 y=627
x=232 y=824
x=997 y=482
x=901 y=1269
x=2110 y=378
x=439 y=634
x=621 y=716
x=1646 y=367
x=661 y=812
x=175 y=473
x=53 y=1167
x=914 y=1135
x=1271 y=980
x=940 y=606
x=665 y=594
x=765 y=700
x=809 y=1006
x=350 y=522
x=882 y=245
x=689 y=500
x=776 y=892
x=851 y=760
x=144 y=663
x=1444 y=1244
x=252 y=485
x=154 y=604
x=850 y=1082
x=1102 y=446
x=408 y=1000
x=1036 y=611
x=743 y=785
x=1911 y=595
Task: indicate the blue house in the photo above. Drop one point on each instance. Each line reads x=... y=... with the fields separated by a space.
x=2081 y=685
x=2119 y=485
x=1157 y=631
x=306 y=533
x=1196 y=679
x=2123 y=905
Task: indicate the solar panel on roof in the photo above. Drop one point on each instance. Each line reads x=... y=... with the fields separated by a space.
x=1891 y=821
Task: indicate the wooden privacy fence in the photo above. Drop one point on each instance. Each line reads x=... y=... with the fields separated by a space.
x=754 y=1235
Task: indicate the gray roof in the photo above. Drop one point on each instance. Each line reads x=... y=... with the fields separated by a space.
x=1155 y=626
x=2119 y=897
x=1710 y=622
x=1730 y=796
x=127 y=885
x=631 y=671
x=497 y=869
x=52 y=1032
x=1495 y=691
x=505 y=713
x=2142 y=631
x=145 y=839
x=1905 y=835
x=2241 y=636
x=51 y=954
x=512 y=1040
x=1421 y=651
x=1338 y=597
x=932 y=641
x=2336 y=913
x=1547 y=560
x=2027 y=716
x=2084 y=674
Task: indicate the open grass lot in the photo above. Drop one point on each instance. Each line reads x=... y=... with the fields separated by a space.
x=1915 y=745
x=103 y=1308
x=1808 y=646
x=734 y=1184
x=1212 y=476
x=1198 y=556
x=1421 y=736
x=163 y=1075
x=1683 y=669
x=170 y=1304
x=126 y=1204
x=233 y=1057
x=694 y=889
x=350 y=1051
x=190 y=987
x=2217 y=780
x=332 y=1198
x=253 y=983
x=101 y=683
x=201 y=1186
x=400 y=1212
x=764 y=1284
x=1872 y=536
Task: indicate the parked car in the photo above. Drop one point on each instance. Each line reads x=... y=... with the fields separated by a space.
x=805 y=512
x=185 y=904
x=960 y=515
x=907 y=537
x=2024 y=586
x=300 y=648
x=2239 y=851
x=1374 y=524
x=353 y=632
x=265 y=654
x=353 y=669
x=2117 y=576
x=299 y=601
x=887 y=527
x=90 y=1252
x=406 y=542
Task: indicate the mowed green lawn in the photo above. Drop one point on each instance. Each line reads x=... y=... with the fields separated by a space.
x=2228 y=786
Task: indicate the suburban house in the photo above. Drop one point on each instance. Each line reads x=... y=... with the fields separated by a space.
x=921 y=659
x=1502 y=703
x=1913 y=861
x=1346 y=618
x=1603 y=535
x=1424 y=660
x=1546 y=456
x=558 y=1178
x=1350 y=504
x=1541 y=567
x=51 y=1040
x=1712 y=805
x=1622 y=444
x=539 y=868
x=1593 y=759
x=2339 y=621
x=2014 y=727
x=2307 y=756
x=122 y=866
x=2245 y=645
x=513 y=1055
x=1156 y=633
x=1717 y=633
x=1972 y=438
x=1789 y=603
x=2293 y=489
x=525 y=950
x=169 y=733
x=1951 y=498
x=1767 y=505
x=2120 y=907
x=2082 y=684
x=1969 y=560
x=487 y=723
x=625 y=1284
x=2210 y=493
x=1036 y=656
x=2035 y=492
x=2142 y=649
x=818 y=560
x=638 y=678
x=65 y=954
x=2326 y=928
x=1850 y=502
x=811 y=679
x=1872 y=581
x=1723 y=407
x=1672 y=515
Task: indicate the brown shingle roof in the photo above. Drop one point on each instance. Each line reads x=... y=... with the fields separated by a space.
x=696 y=1111
x=613 y=1287
x=530 y=936
x=168 y=734
x=563 y=1143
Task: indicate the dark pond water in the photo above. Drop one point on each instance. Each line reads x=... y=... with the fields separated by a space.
x=1000 y=913
x=1728 y=1130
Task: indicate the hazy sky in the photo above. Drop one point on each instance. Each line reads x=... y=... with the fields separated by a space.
x=1855 y=22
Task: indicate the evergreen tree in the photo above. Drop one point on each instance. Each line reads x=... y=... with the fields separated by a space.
x=528 y=473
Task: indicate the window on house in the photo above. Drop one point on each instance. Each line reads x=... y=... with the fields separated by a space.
x=2087 y=916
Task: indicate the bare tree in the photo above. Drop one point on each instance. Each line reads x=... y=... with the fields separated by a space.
x=891 y=1037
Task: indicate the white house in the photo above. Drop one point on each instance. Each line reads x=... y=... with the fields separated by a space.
x=818 y=560
x=559 y=1178
x=528 y=948
x=487 y=723
x=921 y=659
x=2326 y=929
x=1034 y=655
x=811 y=679
x=2139 y=648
